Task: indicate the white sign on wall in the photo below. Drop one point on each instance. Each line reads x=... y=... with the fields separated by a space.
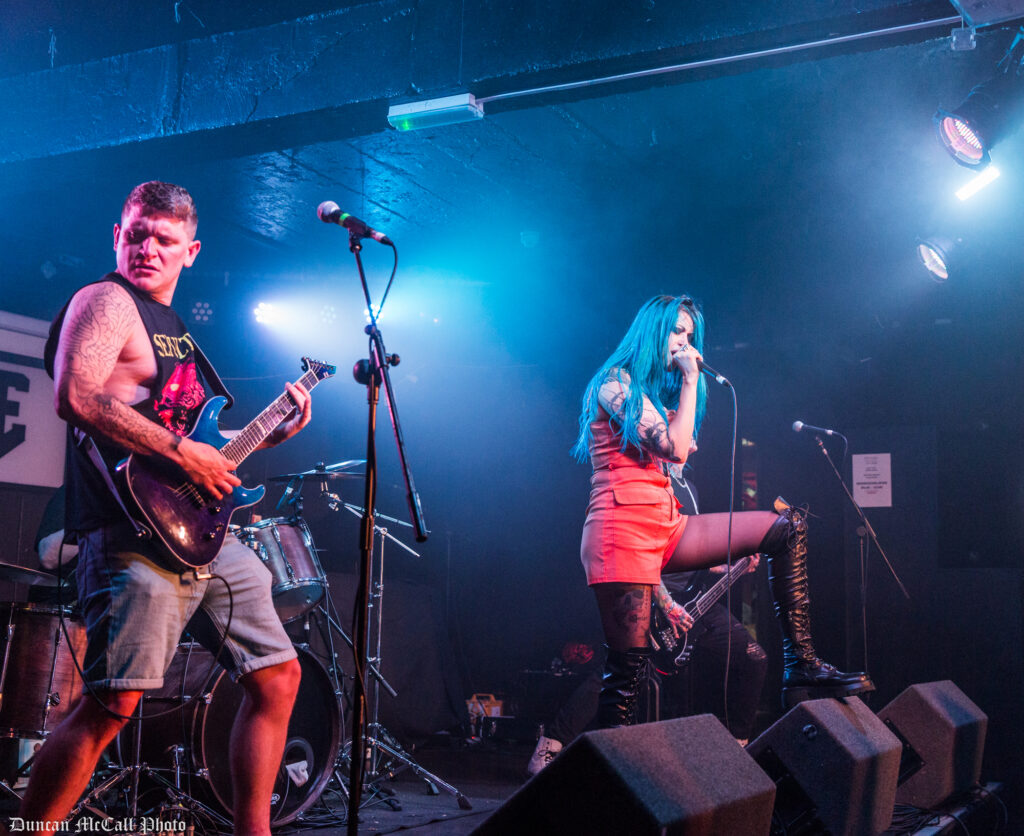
x=872 y=480
x=31 y=434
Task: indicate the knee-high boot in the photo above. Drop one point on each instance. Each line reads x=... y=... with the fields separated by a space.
x=805 y=676
x=623 y=675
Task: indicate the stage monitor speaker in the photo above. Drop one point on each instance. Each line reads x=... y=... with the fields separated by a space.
x=835 y=766
x=685 y=777
x=944 y=740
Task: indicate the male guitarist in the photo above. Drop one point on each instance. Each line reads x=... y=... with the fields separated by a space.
x=127 y=380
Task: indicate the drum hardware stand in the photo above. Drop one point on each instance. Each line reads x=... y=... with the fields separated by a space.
x=180 y=800
x=9 y=789
x=380 y=747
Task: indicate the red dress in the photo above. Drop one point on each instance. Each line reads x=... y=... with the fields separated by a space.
x=633 y=521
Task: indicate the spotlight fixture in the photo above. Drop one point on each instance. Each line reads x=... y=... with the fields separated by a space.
x=328 y=314
x=202 y=312
x=432 y=113
x=969 y=131
x=265 y=313
x=937 y=254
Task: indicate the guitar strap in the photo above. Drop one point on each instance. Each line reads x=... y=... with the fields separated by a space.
x=210 y=375
x=85 y=442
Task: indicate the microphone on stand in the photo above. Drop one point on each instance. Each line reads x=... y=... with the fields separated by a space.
x=330 y=213
x=285 y=497
x=800 y=426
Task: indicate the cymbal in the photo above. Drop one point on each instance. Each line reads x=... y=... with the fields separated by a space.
x=346 y=465
x=32 y=577
x=340 y=470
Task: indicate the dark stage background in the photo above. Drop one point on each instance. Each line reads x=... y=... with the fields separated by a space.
x=786 y=194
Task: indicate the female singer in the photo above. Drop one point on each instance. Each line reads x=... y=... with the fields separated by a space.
x=641 y=413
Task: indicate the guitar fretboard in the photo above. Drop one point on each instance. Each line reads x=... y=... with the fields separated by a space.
x=264 y=424
x=706 y=600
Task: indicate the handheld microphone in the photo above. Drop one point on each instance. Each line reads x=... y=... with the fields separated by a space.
x=800 y=426
x=719 y=378
x=330 y=213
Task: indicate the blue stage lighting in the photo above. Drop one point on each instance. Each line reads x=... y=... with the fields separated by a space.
x=935 y=255
x=266 y=314
x=969 y=131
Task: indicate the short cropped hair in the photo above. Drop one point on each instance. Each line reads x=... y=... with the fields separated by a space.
x=159 y=198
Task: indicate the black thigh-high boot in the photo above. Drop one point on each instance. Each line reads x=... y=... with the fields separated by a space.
x=805 y=676
x=623 y=675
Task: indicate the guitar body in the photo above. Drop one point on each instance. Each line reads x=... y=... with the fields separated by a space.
x=189 y=524
x=672 y=653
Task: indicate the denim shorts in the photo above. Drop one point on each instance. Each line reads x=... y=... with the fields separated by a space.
x=136 y=606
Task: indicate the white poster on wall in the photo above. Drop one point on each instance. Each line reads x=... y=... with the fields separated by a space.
x=31 y=434
x=872 y=480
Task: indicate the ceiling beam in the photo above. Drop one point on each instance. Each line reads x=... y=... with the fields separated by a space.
x=333 y=74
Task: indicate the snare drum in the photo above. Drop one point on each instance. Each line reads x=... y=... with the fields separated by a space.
x=286 y=548
x=202 y=726
x=39 y=682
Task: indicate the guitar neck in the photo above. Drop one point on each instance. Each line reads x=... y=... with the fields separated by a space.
x=705 y=602
x=256 y=431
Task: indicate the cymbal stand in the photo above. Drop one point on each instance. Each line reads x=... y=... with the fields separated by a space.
x=381 y=749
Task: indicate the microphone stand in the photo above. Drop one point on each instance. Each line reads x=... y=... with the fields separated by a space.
x=870 y=532
x=371 y=372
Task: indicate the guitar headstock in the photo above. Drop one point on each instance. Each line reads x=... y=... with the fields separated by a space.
x=320 y=370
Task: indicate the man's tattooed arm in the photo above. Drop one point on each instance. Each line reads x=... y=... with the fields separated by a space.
x=97 y=326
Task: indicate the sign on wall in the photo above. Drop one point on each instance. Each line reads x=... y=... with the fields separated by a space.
x=872 y=480
x=31 y=434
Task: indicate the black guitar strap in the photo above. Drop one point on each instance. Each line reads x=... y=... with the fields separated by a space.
x=210 y=375
x=85 y=442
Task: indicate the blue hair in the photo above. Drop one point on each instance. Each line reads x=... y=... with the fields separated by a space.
x=643 y=355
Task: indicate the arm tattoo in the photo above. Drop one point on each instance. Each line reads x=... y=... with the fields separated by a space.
x=96 y=329
x=655 y=438
x=664 y=600
x=651 y=428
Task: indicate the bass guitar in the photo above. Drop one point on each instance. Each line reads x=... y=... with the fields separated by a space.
x=188 y=523
x=671 y=652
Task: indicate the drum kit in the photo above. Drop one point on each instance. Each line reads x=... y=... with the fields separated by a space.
x=178 y=740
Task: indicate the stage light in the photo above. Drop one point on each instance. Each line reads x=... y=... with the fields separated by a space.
x=977 y=183
x=202 y=312
x=266 y=314
x=969 y=131
x=433 y=113
x=936 y=255
x=328 y=314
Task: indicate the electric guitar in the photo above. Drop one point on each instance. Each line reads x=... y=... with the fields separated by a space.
x=670 y=652
x=187 y=522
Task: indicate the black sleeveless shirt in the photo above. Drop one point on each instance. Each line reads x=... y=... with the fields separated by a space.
x=175 y=397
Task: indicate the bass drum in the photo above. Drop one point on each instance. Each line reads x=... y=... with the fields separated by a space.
x=203 y=726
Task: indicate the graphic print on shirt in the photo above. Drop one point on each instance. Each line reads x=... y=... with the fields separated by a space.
x=182 y=395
